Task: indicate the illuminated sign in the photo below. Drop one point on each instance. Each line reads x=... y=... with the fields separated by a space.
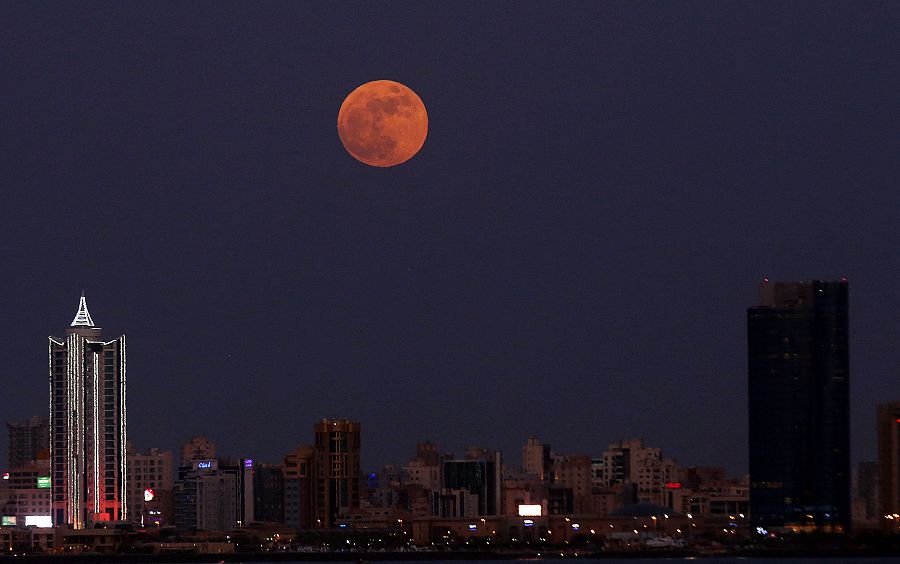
x=528 y=523
x=42 y=521
x=205 y=464
x=529 y=511
x=473 y=527
x=575 y=526
x=8 y=521
x=43 y=482
x=673 y=485
x=6 y=475
x=248 y=463
x=149 y=494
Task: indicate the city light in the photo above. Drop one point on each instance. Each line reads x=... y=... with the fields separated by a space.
x=529 y=511
x=41 y=521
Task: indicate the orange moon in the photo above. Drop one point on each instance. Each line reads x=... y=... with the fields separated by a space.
x=382 y=123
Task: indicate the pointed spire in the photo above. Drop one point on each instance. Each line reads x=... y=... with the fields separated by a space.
x=83 y=317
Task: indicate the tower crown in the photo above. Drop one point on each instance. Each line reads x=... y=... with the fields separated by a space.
x=83 y=317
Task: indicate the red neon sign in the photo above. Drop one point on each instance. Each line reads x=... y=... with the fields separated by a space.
x=673 y=485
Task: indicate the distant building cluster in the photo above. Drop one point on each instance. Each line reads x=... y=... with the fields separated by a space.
x=73 y=475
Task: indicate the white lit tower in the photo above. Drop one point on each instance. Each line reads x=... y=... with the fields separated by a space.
x=87 y=425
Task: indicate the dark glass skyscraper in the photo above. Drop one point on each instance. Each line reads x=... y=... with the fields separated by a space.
x=799 y=406
x=87 y=425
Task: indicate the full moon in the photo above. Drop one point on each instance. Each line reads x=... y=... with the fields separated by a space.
x=382 y=123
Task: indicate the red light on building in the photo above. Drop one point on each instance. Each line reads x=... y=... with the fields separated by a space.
x=898 y=421
x=673 y=485
x=149 y=495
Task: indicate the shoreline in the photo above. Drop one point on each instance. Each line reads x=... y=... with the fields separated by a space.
x=364 y=557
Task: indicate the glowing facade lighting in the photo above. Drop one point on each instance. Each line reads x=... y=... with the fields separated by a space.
x=83 y=317
x=42 y=521
x=87 y=422
x=529 y=510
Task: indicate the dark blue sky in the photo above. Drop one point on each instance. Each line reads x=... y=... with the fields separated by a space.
x=570 y=255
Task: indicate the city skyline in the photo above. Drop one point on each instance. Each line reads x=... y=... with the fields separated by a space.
x=570 y=254
x=84 y=321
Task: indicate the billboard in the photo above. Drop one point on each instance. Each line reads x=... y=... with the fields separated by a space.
x=43 y=482
x=529 y=511
x=149 y=494
x=43 y=521
x=7 y=521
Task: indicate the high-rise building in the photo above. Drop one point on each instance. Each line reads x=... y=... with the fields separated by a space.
x=536 y=458
x=214 y=495
x=87 y=425
x=573 y=471
x=630 y=462
x=198 y=448
x=298 y=487
x=27 y=440
x=472 y=487
x=799 y=406
x=888 y=416
x=268 y=493
x=150 y=487
x=337 y=477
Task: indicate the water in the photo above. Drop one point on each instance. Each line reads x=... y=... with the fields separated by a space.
x=658 y=559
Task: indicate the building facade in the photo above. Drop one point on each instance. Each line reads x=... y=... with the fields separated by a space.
x=88 y=425
x=198 y=448
x=298 y=468
x=799 y=406
x=536 y=458
x=25 y=495
x=150 y=487
x=27 y=440
x=337 y=476
x=472 y=487
x=888 y=416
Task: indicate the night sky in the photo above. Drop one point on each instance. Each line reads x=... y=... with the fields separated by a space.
x=570 y=255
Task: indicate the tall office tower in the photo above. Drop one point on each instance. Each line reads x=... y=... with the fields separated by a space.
x=87 y=425
x=336 y=470
x=799 y=406
x=27 y=440
x=536 y=458
x=298 y=487
x=888 y=415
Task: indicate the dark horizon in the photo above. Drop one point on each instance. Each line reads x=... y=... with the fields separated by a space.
x=570 y=255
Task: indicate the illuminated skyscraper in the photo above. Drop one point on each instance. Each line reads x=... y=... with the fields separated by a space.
x=87 y=425
x=799 y=406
